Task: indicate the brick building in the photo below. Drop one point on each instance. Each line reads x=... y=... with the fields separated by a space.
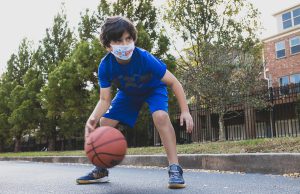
x=282 y=50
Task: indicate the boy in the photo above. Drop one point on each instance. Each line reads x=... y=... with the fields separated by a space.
x=139 y=77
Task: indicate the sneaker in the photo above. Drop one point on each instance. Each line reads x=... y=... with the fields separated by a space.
x=98 y=175
x=176 y=180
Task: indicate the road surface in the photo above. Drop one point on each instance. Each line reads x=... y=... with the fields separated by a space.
x=36 y=178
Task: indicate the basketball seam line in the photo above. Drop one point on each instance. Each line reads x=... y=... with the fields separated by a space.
x=96 y=155
x=107 y=153
x=108 y=142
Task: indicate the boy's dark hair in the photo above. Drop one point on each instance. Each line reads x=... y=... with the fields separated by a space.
x=113 y=29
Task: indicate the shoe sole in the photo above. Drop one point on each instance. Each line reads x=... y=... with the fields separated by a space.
x=101 y=180
x=176 y=186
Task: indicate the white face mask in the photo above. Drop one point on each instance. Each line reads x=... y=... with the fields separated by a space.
x=123 y=52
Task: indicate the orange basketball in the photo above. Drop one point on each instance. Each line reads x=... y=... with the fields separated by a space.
x=105 y=147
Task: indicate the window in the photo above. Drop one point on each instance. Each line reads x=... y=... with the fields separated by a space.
x=283 y=81
x=295 y=45
x=280 y=49
x=296 y=15
x=291 y=18
x=295 y=78
x=287 y=20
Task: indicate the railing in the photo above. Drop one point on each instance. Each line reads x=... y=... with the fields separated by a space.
x=280 y=118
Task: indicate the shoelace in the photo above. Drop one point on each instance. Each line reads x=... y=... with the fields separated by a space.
x=95 y=170
x=175 y=174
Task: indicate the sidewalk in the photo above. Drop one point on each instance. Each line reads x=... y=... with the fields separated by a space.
x=268 y=163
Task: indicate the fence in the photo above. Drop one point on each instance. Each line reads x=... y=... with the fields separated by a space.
x=281 y=118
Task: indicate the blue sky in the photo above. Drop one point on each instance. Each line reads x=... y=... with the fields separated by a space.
x=30 y=18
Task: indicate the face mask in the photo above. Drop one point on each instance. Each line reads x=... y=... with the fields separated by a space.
x=123 y=52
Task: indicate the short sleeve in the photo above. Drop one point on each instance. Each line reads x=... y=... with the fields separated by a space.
x=158 y=67
x=104 y=81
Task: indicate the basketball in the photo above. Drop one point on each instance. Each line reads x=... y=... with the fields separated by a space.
x=105 y=147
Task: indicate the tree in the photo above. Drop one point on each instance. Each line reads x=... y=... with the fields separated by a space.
x=56 y=47
x=19 y=102
x=222 y=61
x=5 y=89
x=88 y=26
x=22 y=115
x=58 y=43
x=65 y=99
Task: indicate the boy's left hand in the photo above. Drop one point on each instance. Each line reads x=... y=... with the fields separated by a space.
x=187 y=118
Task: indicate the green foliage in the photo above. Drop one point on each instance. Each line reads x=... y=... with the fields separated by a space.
x=50 y=92
x=88 y=26
x=22 y=102
x=58 y=43
x=55 y=48
x=19 y=63
x=221 y=64
x=25 y=108
x=64 y=98
x=86 y=57
x=5 y=111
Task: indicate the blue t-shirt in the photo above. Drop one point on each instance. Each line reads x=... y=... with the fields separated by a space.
x=141 y=75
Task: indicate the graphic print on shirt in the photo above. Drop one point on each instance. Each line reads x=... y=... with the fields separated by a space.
x=135 y=81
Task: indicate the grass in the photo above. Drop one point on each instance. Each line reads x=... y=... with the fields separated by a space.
x=277 y=145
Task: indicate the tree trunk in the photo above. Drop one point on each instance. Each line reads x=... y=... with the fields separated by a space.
x=17 y=145
x=221 y=127
x=1 y=147
x=250 y=123
x=52 y=142
x=62 y=146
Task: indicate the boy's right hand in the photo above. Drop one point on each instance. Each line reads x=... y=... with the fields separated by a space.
x=90 y=126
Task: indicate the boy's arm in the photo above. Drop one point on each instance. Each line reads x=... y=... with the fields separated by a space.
x=172 y=81
x=101 y=108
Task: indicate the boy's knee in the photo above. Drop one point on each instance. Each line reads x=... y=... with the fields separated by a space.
x=108 y=122
x=160 y=117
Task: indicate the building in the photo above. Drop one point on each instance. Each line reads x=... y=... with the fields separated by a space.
x=282 y=50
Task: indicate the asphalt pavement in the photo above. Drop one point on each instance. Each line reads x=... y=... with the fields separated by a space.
x=37 y=177
x=267 y=163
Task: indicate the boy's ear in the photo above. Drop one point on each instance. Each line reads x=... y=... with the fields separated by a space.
x=109 y=49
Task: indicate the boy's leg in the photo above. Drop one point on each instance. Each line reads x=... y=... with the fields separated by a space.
x=167 y=135
x=166 y=131
x=158 y=104
x=108 y=122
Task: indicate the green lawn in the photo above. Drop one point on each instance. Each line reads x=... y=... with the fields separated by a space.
x=287 y=144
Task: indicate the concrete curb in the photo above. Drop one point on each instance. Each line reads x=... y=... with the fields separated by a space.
x=270 y=163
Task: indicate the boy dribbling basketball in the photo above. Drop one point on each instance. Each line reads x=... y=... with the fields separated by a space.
x=140 y=77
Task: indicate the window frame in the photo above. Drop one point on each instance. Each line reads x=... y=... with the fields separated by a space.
x=288 y=80
x=276 y=43
x=291 y=19
x=293 y=81
x=284 y=90
x=290 y=41
x=294 y=17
